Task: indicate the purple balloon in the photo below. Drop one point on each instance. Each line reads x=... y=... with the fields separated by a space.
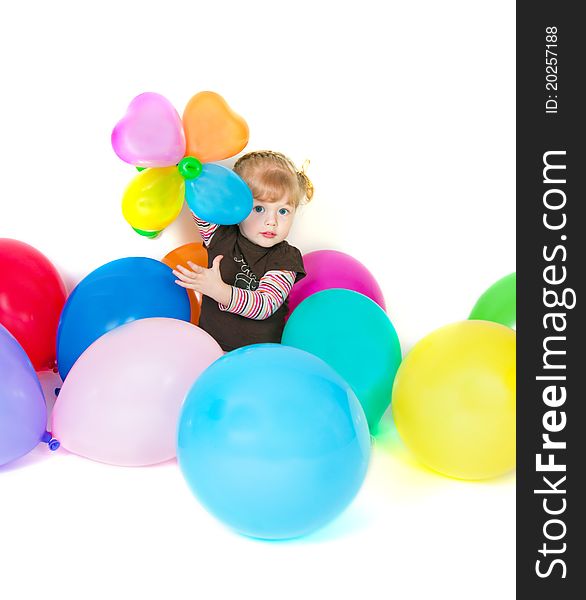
x=328 y=269
x=150 y=134
x=23 y=413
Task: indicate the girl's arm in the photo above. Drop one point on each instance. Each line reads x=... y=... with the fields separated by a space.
x=273 y=289
x=206 y=230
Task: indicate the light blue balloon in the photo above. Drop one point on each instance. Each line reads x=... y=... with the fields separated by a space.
x=355 y=336
x=116 y=293
x=218 y=195
x=273 y=441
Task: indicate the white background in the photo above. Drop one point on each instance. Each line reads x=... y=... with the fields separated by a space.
x=406 y=110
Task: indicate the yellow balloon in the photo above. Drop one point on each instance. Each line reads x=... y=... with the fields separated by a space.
x=454 y=400
x=154 y=198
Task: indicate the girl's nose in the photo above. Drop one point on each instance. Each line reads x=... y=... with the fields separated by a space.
x=270 y=218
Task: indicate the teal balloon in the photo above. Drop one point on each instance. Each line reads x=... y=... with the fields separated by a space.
x=354 y=335
x=272 y=441
x=218 y=195
x=498 y=303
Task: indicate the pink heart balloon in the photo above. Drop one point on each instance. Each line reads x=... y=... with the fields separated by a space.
x=150 y=134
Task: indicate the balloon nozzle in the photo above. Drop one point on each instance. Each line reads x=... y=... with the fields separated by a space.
x=50 y=441
x=190 y=167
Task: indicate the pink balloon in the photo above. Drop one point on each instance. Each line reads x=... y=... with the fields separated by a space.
x=328 y=269
x=121 y=400
x=150 y=134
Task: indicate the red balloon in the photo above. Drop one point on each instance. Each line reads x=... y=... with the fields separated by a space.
x=32 y=295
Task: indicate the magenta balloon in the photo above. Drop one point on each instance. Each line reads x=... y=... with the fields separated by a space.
x=23 y=413
x=150 y=134
x=328 y=269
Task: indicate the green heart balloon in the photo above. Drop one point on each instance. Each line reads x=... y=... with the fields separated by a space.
x=498 y=303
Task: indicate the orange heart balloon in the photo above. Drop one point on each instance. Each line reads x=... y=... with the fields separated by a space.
x=213 y=131
x=196 y=253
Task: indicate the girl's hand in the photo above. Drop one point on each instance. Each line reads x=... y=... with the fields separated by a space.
x=206 y=281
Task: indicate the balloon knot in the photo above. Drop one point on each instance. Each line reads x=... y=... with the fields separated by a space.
x=50 y=441
x=190 y=167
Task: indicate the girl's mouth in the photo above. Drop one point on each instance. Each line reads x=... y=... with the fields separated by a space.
x=268 y=234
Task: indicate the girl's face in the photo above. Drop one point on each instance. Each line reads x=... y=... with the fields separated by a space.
x=269 y=222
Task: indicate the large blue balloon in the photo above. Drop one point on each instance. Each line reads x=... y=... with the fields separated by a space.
x=273 y=441
x=23 y=414
x=218 y=195
x=118 y=292
x=355 y=336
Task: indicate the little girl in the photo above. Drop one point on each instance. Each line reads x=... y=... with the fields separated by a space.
x=245 y=297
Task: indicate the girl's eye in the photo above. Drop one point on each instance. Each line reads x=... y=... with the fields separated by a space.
x=258 y=209
x=283 y=211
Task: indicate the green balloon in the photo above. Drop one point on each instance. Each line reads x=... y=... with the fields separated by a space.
x=498 y=303
x=148 y=234
x=354 y=335
x=139 y=169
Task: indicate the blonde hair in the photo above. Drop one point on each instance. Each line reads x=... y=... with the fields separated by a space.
x=272 y=176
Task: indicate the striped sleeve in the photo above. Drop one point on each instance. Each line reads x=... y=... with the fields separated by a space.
x=206 y=230
x=273 y=289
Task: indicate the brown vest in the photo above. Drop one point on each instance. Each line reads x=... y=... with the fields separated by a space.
x=243 y=265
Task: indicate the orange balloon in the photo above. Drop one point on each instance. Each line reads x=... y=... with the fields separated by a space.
x=213 y=131
x=196 y=253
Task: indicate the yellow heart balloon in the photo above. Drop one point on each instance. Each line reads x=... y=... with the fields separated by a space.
x=154 y=199
x=213 y=131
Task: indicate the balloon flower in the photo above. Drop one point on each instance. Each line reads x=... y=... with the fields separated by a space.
x=175 y=158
